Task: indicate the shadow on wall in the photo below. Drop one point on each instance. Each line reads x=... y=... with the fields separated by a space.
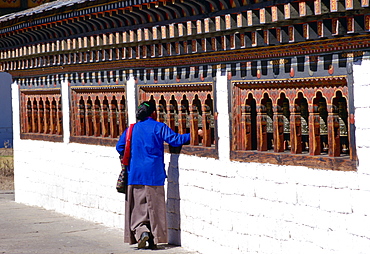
x=173 y=201
x=6 y=125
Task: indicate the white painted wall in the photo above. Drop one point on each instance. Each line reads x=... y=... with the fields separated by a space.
x=66 y=111
x=215 y=206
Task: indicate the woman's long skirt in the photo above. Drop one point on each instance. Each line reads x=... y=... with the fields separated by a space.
x=145 y=210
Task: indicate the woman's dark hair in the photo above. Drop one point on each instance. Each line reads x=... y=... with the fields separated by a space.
x=144 y=110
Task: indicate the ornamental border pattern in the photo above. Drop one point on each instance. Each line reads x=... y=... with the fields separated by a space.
x=338 y=45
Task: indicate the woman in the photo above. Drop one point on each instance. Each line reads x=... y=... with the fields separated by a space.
x=145 y=208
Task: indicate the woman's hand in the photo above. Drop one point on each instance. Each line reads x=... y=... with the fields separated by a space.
x=200 y=132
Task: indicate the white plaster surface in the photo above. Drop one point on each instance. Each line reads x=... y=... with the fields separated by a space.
x=66 y=111
x=215 y=205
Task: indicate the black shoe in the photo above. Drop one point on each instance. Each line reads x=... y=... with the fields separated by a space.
x=152 y=246
x=142 y=242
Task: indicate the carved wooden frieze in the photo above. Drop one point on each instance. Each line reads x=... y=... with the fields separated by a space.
x=41 y=114
x=99 y=114
x=302 y=116
x=185 y=108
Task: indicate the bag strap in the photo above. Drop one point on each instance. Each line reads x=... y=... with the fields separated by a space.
x=127 y=153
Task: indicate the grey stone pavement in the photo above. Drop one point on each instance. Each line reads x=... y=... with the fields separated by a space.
x=29 y=229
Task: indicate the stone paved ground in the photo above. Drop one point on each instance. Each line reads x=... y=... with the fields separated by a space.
x=26 y=229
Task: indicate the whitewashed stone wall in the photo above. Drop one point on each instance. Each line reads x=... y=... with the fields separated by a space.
x=216 y=206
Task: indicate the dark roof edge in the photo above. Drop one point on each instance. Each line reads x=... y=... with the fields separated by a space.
x=39 y=9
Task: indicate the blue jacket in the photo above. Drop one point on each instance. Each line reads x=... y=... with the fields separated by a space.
x=147 y=151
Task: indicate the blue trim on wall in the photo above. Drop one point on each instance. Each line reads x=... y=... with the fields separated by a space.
x=6 y=120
